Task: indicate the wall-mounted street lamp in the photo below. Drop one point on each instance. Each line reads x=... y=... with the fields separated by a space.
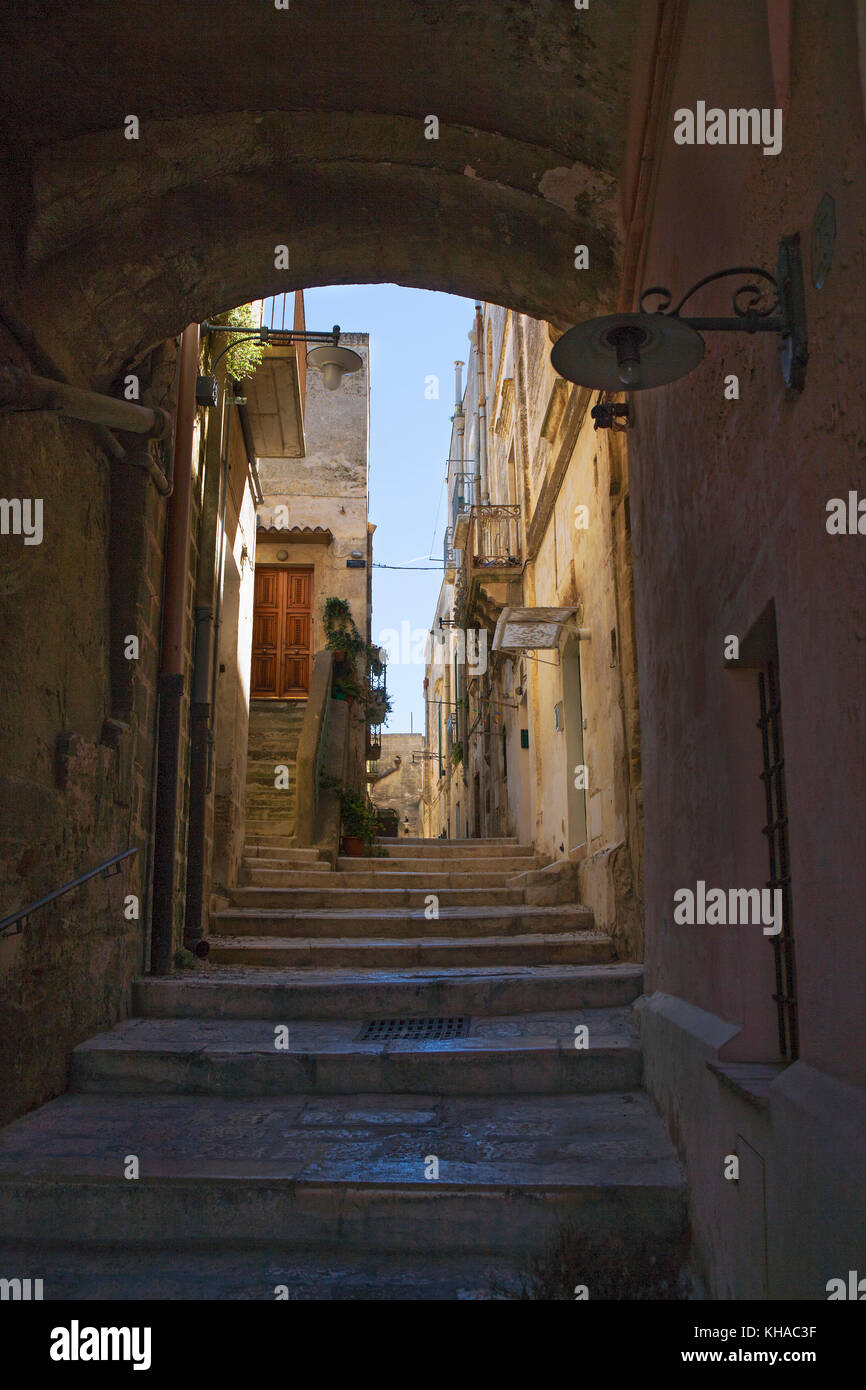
x=333 y=361
x=634 y=352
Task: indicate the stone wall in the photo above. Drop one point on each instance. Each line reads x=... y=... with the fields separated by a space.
x=77 y=720
x=399 y=784
x=729 y=513
x=535 y=721
x=229 y=768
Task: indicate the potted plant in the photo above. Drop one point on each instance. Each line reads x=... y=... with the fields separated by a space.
x=358 y=821
x=379 y=706
x=341 y=635
x=375 y=660
x=348 y=688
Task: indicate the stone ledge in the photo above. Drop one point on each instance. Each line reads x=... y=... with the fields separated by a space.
x=751 y=1080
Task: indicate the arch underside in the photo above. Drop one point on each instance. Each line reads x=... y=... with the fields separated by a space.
x=296 y=128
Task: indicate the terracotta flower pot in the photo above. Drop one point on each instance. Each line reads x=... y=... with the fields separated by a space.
x=353 y=846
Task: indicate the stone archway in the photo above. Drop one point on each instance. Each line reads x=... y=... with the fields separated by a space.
x=288 y=129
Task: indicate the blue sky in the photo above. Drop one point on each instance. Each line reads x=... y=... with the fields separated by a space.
x=414 y=334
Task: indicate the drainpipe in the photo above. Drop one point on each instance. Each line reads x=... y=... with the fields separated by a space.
x=18 y=387
x=25 y=391
x=481 y=464
x=459 y=417
x=203 y=696
x=220 y=576
x=171 y=672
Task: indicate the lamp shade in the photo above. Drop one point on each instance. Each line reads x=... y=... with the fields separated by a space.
x=334 y=362
x=627 y=352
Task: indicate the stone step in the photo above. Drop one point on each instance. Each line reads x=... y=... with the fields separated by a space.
x=284 y=851
x=269 y=808
x=261 y=875
x=444 y=849
x=281 y=828
x=333 y=1173
x=573 y=948
x=232 y=1273
x=267 y=755
x=498 y=865
x=526 y=1054
x=467 y=840
x=232 y=992
x=331 y=897
x=366 y=922
x=301 y=873
x=263 y=773
x=265 y=742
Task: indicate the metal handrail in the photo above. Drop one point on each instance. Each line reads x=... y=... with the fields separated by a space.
x=19 y=919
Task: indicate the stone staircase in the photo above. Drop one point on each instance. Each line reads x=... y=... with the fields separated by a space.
x=274 y=731
x=280 y=1147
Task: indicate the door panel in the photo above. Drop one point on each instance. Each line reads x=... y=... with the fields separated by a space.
x=298 y=630
x=282 y=633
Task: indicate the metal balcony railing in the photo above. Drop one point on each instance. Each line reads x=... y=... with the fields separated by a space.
x=462 y=495
x=494 y=538
x=449 y=560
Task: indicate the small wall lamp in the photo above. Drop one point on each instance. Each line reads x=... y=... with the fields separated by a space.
x=635 y=352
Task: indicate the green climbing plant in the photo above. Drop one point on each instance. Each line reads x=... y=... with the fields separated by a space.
x=242 y=359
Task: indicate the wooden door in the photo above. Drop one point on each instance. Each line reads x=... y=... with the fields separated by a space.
x=282 y=633
x=297 y=634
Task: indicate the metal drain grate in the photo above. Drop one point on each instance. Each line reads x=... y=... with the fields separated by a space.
x=384 y=1029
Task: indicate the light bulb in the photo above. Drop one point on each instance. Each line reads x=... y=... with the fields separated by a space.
x=629 y=373
x=332 y=375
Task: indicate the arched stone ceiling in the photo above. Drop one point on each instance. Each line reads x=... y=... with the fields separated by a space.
x=306 y=127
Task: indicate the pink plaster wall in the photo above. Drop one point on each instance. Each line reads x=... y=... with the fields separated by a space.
x=728 y=512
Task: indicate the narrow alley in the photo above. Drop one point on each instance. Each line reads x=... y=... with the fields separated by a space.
x=468 y=920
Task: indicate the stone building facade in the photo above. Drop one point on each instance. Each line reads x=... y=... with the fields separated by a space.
x=398 y=784
x=531 y=688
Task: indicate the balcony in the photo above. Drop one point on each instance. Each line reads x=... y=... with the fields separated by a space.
x=493 y=541
x=449 y=558
x=462 y=498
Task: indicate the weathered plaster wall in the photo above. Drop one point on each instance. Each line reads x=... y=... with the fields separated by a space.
x=583 y=561
x=75 y=787
x=233 y=672
x=327 y=488
x=728 y=511
x=399 y=785
x=733 y=495
x=571 y=484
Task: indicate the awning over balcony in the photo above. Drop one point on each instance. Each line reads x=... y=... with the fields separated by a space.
x=533 y=629
x=274 y=407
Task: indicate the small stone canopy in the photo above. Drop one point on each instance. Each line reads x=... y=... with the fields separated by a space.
x=297 y=535
x=539 y=629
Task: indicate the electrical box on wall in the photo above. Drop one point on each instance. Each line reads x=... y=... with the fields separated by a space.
x=524 y=738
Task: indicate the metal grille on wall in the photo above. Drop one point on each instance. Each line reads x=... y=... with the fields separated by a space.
x=776 y=832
